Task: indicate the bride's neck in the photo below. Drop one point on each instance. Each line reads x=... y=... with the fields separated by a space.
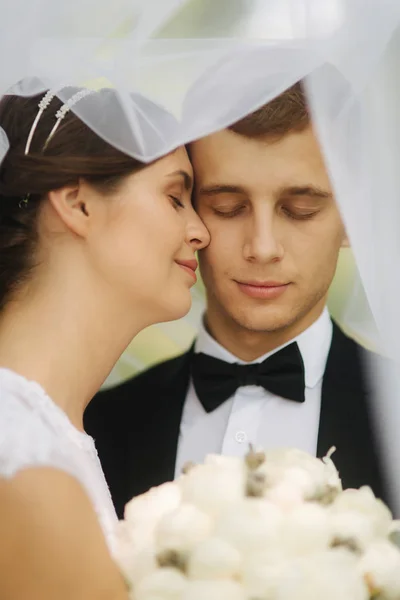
x=67 y=339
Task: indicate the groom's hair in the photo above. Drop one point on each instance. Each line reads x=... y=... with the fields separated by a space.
x=286 y=113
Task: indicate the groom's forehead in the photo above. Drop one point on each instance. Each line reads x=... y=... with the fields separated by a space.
x=223 y=150
x=225 y=158
x=281 y=116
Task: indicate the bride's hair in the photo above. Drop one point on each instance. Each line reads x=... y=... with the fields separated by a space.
x=75 y=152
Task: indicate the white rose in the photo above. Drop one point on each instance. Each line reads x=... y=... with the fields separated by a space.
x=163 y=584
x=288 y=458
x=380 y=566
x=301 y=479
x=152 y=505
x=262 y=575
x=320 y=479
x=286 y=495
x=250 y=525
x=133 y=558
x=364 y=502
x=305 y=529
x=183 y=528
x=137 y=564
x=351 y=528
x=143 y=512
x=212 y=487
x=328 y=576
x=214 y=559
x=214 y=590
x=139 y=535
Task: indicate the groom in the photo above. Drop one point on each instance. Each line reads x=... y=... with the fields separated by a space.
x=268 y=367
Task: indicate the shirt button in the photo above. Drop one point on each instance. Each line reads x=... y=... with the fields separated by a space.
x=240 y=437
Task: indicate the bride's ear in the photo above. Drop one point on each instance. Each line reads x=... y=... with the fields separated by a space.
x=70 y=205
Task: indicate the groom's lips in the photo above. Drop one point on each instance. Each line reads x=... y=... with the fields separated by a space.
x=262 y=289
x=189 y=266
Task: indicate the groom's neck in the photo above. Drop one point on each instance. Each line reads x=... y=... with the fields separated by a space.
x=248 y=343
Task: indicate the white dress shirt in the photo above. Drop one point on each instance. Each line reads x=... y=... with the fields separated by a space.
x=252 y=414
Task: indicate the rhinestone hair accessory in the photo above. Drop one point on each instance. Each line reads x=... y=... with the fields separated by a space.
x=4 y=144
x=64 y=110
x=60 y=114
x=43 y=104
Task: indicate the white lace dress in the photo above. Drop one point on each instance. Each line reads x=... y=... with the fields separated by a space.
x=35 y=432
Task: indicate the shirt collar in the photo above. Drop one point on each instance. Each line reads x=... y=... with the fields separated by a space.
x=314 y=344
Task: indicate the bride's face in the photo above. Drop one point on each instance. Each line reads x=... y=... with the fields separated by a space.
x=144 y=238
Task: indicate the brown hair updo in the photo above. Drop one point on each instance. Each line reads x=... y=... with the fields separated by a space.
x=75 y=152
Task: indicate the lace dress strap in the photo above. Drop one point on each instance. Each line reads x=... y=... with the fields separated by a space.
x=35 y=432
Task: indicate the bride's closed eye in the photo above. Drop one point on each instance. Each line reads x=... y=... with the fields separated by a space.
x=176 y=201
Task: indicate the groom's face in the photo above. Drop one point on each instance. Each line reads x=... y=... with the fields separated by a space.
x=275 y=228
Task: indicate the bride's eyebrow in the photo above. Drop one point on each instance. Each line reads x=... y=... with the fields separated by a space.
x=187 y=179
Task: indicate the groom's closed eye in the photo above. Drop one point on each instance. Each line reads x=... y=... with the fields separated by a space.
x=230 y=209
x=224 y=201
x=303 y=203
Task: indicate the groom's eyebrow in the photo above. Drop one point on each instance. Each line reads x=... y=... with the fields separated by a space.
x=311 y=191
x=187 y=180
x=214 y=190
x=307 y=190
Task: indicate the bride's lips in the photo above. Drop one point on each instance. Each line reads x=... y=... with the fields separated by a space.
x=189 y=266
x=263 y=289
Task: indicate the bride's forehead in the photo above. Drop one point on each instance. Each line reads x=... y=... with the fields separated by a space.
x=177 y=159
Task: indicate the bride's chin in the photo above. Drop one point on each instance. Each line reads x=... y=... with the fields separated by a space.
x=179 y=307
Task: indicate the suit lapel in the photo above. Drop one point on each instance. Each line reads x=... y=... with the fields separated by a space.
x=345 y=420
x=156 y=444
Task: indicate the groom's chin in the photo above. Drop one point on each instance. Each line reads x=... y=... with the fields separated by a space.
x=264 y=319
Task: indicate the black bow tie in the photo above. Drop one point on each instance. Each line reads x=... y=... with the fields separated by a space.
x=216 y=380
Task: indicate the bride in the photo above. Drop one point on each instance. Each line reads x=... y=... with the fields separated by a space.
x=94 y=246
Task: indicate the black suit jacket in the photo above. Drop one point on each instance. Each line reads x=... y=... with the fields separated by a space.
x=136 y=424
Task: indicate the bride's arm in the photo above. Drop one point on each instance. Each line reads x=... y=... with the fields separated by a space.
x=51 y=542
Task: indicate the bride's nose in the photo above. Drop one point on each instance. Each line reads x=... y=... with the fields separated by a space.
x=197 y=234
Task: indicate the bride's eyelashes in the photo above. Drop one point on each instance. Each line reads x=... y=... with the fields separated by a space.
x=176 y=201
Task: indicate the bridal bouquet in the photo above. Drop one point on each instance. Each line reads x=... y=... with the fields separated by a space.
x=273 y=526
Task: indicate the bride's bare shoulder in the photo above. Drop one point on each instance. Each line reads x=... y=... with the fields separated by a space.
x=52 y=545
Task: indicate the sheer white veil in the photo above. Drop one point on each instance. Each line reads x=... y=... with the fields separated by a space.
x=209 y=63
